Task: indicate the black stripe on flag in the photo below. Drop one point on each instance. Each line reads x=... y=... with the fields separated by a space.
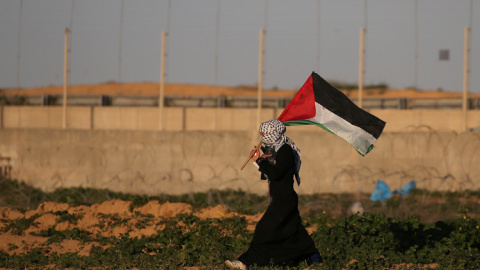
x=338 y=103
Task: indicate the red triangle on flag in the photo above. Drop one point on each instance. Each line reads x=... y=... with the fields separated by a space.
x=302 y=106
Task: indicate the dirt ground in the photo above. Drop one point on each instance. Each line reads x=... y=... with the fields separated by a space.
x=103 y=219
x=93 y=220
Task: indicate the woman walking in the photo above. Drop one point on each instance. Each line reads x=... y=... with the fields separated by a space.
x=280 y=238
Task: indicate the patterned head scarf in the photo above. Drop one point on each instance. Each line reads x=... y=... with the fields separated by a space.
x=275 y=137
x=274 y=132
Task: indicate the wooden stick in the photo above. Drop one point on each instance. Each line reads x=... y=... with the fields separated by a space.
x=251 y=155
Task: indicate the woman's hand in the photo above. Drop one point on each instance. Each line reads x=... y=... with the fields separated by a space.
x=255 y=153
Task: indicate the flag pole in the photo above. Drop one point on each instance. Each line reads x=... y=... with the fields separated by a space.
x=65 y=81
x=162 y=83
x=465 y=82
x=259 y=94
x=251 y=155
x=260 y=78
x=360 y=70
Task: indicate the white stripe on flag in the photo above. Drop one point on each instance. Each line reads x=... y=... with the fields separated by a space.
x=359 y=138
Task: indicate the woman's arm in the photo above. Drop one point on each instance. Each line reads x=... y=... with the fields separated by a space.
x=285 y=159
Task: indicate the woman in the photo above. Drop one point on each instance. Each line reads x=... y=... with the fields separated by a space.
x=279 y=238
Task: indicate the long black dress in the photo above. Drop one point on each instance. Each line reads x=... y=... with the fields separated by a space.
x=280 y=238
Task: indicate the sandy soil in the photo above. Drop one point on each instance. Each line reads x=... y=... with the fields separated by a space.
x=104 y=219
x=96 y=219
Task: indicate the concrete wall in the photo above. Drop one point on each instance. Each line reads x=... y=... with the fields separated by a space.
x=176 y=162
x=236 y=119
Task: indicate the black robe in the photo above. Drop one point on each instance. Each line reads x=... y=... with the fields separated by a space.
x=280 y=238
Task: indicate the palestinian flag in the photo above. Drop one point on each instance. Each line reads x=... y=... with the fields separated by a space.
x=319 y=103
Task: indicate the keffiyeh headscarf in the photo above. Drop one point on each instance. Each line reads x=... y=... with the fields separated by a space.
x=275 y=137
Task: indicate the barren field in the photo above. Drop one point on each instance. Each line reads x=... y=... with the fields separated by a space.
x=109 y=219
x=80 y=228
x=58 y=229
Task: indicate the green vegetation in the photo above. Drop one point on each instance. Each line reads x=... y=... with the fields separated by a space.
x=65 y=216
x=55 y=236
x=368 y=242
x=18 y=226
x=21 y=196
x=422 y=231
x=376 y=241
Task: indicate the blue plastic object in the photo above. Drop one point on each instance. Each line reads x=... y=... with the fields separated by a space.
x=381 y=192
x=405 y=190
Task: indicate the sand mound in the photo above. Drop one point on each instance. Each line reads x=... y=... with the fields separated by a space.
x=111 y=207
x=218 y=211
x=7 y=213
x=166 y=210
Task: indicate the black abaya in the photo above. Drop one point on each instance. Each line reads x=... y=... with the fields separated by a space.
x=280 y=238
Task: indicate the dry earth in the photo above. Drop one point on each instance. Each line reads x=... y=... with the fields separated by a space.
x=103 y=219
x=96 y=219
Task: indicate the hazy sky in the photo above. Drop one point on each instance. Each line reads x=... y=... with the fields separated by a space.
x=217 y=42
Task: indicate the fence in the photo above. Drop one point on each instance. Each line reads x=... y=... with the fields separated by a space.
x=232 y=101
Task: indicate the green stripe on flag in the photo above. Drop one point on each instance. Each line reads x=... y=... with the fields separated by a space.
x=306 y=122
